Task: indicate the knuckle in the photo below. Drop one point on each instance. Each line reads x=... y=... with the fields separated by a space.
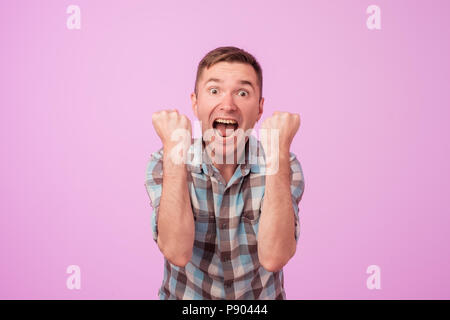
x=156 y=116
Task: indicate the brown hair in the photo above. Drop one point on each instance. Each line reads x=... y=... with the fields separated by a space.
x=229 y=54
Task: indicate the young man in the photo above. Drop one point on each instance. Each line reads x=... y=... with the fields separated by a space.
x=225 y=228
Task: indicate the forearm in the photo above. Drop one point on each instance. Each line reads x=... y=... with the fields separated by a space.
x=276 y=241
x=176 y=227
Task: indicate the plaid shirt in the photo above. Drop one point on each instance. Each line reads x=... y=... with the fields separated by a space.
x=224 y=263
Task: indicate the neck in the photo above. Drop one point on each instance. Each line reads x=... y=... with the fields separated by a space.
x=226 y=170
x=228 y=167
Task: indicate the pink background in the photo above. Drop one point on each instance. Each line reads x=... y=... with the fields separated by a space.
x=76 y=135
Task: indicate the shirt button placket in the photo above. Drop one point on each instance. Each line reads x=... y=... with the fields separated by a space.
x=227 y=266
x=225 y=246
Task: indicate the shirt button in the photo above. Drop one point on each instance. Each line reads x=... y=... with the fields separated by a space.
x=224 y=225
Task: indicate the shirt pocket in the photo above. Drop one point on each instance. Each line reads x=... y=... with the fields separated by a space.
x=249 y=226
x=205 y=226
x=251 y=216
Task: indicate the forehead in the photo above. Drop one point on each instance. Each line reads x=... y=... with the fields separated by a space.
x=230 y=71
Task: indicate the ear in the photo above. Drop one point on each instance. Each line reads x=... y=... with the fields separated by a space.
x=261 y=109
x=194 y=103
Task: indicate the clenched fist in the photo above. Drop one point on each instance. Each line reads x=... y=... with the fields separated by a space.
x=278 y=132
x=286 y=124
x=175 y=132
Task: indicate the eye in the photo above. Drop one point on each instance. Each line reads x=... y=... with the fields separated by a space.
x=213 y=91
x=245 y=93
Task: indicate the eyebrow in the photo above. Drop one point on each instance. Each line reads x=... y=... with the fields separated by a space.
x=244 y=82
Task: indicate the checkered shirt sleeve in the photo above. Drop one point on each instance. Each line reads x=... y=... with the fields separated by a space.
x=153 y=184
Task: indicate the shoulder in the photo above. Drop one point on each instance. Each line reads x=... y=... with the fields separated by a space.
x=295 y=163
x=155 y=166
x=297 y=178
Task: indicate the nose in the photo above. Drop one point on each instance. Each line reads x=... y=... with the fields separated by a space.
x=228 y=103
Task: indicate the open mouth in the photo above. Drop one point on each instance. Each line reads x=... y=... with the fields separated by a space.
x=225 y=127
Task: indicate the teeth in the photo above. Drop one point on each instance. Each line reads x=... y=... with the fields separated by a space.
x=226 y=121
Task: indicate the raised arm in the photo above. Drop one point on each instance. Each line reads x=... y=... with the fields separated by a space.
x=276 y=234
x=176 y=227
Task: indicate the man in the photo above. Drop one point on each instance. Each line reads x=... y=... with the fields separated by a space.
x=225 y=228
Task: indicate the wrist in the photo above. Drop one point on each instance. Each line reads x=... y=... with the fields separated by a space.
x=284 y=152
x=172 y=170
x=174 y=163
x=278 y=166
x=175 y=154
x=282 y=156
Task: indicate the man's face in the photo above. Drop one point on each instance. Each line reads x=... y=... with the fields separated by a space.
x=227 y=99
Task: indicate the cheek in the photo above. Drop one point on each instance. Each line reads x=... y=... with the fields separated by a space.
x=202 y=111
x=204 y=118
x=250 y=111
x=250 y=119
